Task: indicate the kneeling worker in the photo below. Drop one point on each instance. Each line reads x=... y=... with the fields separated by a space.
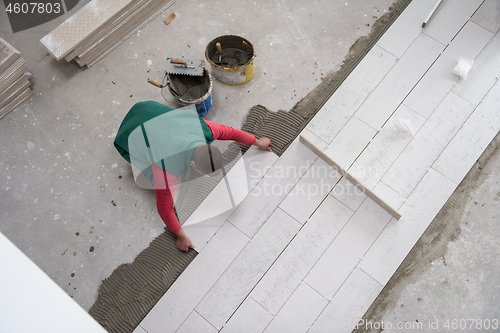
x=164 y=145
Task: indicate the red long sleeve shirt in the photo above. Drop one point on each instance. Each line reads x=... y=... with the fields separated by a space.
x=166 y=183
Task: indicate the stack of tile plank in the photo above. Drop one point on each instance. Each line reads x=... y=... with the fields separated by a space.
x=100 y=27
x=14 y=79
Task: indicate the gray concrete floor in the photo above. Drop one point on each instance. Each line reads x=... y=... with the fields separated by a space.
x=64 y=188
x=461 y=287
x=449 y=281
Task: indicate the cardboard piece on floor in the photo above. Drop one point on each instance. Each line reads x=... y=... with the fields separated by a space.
x=170 y=18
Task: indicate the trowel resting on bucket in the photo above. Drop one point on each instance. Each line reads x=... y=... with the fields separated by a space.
x=189 y=82
x=182 y=67
x=185 y=67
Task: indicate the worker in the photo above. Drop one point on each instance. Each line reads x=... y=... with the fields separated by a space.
x=165 y=145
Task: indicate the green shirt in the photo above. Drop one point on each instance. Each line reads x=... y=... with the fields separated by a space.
x=153 y=133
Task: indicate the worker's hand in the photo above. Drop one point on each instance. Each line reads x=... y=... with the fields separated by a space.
x=183 y=242
x=263 y=143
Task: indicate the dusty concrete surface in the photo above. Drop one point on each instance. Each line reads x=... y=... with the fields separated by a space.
x=68 y=200
x=449 y=281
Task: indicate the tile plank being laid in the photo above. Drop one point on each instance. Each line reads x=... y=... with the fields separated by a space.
x=247 y=172
x=472 y=139
x=399 y=237
x=439 y=80
x=350 y=142
x=266 y=196
x=385 y=148
x=483 y=74
x=450 y=18
x=398 y=83
x=299 y=312
x=350 y=95
x=488 y=15
x=234 y=187
x=299 y=257
x=310 y=191
x=344 y=253
x=401 y=34
x=196 y=323
x=427 y=144
x=247 y=269
x=196 y=280
x=350 y=303
x=250 y=317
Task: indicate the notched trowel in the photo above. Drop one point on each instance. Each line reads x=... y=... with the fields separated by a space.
x=180 y=67
x=185 y=67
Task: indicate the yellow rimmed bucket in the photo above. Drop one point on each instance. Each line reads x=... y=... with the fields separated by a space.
x=232 y=59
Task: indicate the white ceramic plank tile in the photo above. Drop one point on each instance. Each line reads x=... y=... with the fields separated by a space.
x=196 y=280
x=348 y=194
x=299 y=312
x=310 y=191
x=196 y=324
x=349 y=305
x=299 y=257
x=350 y=95
x=335 y=265
x=398 y=38
x=247 y=269
x=394 y=88
x=243 y=177
x=472 y=139
x=385 y=148
x=399 y=237
x=263 y=200
x=228 y=193
x=250 y=317
x=201 y=233
x=390 y=196
x=428 y=144
x=483 y=74
x=314 y=139
x=439 y=80
x=350 y=142
x=488 y=15
x=446 y=22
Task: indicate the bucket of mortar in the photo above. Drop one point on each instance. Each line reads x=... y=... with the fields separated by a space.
x=189 y=90
x=233 y=64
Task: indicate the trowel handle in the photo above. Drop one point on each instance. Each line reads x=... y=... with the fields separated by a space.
x=154 y=83
x=178 y=61
x=219 y=48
